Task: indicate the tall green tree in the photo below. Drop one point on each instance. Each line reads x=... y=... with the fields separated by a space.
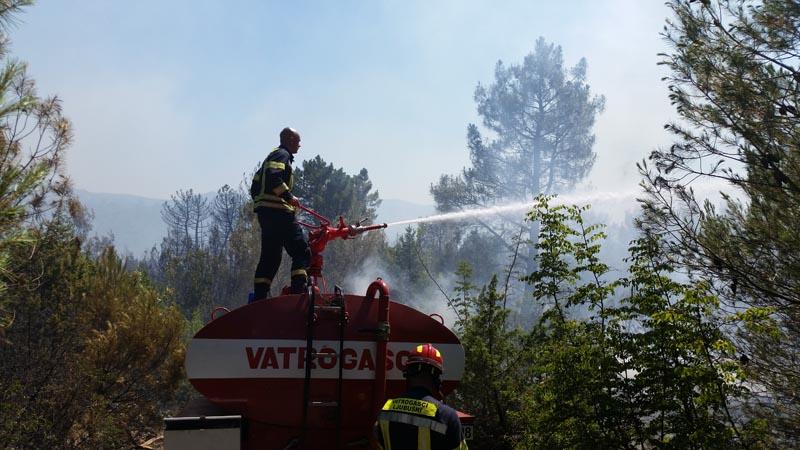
x=494 y=352
x=33 y=137
x=734 y=82
x=333 y=192
x=541 y=116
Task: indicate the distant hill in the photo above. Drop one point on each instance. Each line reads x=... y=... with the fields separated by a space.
x=136 y=221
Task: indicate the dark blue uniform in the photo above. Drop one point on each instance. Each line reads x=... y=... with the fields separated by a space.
x=419 y=421
x=271 y=192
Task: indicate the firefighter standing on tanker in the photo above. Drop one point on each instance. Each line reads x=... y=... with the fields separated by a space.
x=276 y=208
x=417 y=420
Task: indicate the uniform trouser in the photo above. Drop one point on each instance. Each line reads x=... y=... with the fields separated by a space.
x=279 y=230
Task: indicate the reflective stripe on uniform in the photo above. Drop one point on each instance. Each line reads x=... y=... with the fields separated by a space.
x=280 y=189
x=387 y=443
x=411 y=405
x=263 y=178
x=421 y=422
x=299 y=272
x=272 y=201
x=262 y=281
x=423 y=438
x=265 y=197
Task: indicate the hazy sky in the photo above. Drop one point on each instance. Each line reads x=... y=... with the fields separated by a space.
x=192 y=94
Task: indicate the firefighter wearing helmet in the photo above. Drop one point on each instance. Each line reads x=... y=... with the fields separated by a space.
x=418 y=420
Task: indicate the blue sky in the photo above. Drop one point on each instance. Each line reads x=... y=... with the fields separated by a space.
x=191 y=94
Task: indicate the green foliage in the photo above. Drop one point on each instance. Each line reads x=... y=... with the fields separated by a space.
x=407 y=275
x=688 y=379
x=490 y=386
x=31 y=179
x=89 y=352
x=94 y=351
x=464 y=290
x=735 y=86
x=656 y=369
x=574 y=374
x=333 y=193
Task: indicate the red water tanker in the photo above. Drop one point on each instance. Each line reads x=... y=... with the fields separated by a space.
x=306 y=371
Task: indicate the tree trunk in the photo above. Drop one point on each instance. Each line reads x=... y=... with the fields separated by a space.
x=533 y=229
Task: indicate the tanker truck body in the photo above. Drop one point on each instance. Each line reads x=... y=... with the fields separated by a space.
x=306 y=371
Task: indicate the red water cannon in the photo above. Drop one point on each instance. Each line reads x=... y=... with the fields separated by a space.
x=320 y=234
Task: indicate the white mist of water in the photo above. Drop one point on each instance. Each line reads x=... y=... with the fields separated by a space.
x=627 y=198
x=428 y=300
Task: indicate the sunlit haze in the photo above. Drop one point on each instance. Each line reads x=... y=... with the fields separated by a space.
x=189 y=94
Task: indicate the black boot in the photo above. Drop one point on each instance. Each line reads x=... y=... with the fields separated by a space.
x=261 y=292
x=298 y=285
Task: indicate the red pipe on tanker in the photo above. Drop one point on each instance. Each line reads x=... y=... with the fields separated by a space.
x=382 y=337
x=319 y=236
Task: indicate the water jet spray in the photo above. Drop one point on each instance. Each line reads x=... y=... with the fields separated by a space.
x=519 y=206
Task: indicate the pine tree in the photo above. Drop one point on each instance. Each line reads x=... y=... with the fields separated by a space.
x=332 y=192
x=542 y=115
x=734 y=82
x=489 y=388
x=32 y=182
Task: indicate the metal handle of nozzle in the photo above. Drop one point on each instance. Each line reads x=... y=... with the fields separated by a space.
x=357 y=229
